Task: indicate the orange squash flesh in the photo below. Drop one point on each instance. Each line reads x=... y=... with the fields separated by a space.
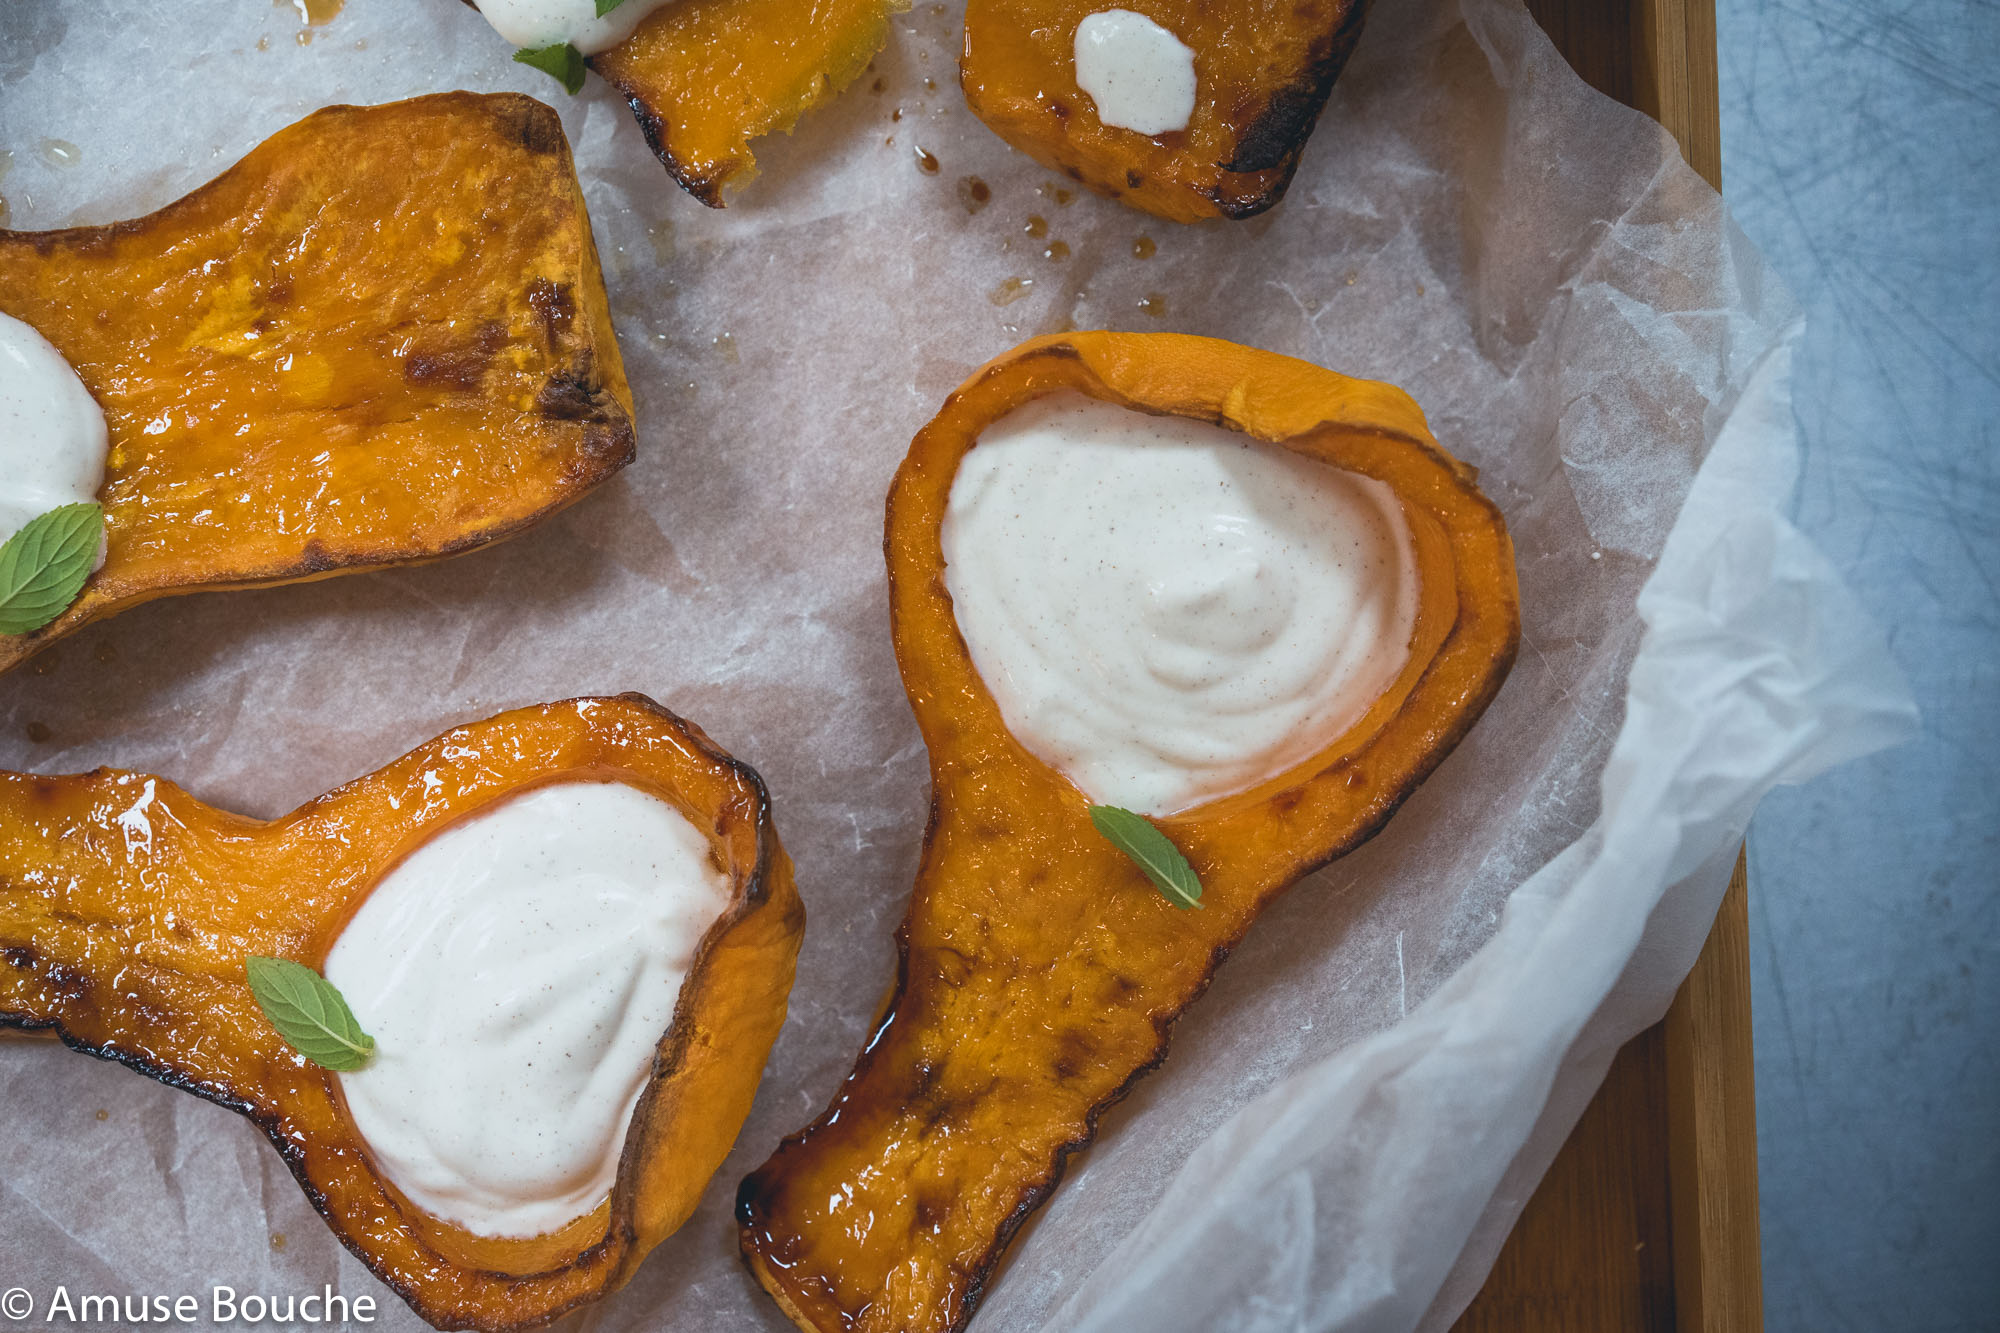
x=127 y=908
x=705 y=77
x=1262 y=74
x=1039 y=971
x=380 y=338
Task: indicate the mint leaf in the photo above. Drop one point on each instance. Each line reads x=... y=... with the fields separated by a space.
x=563 y=63
x=308 y=1013
x=1151 y=851
x=606 y=6
x=44 y=565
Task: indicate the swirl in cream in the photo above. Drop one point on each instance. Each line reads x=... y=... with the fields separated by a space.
x=1168 y=611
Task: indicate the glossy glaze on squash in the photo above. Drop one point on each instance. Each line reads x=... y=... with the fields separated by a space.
x=1263 y=72
x=127 y=908
x=705 y=77
x=1039 y=971
x=380 y=338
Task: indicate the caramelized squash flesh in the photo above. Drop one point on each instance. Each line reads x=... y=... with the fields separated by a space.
x=127 y=908
x=1039 y=972
x=380 y=338
x=704 y=77
x=1262 y=74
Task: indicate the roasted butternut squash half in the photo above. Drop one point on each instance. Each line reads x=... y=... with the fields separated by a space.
x=1262 y=73
x=1039 y=973
x=128 y=908
x=704 y=77
x=381 y=338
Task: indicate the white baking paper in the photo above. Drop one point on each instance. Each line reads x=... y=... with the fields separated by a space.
x=1354 y=1114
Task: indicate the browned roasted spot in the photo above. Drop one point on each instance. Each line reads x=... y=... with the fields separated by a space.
x=1074 y=1054
x=72 y=985
x=460 y=366
x=931 y=1211
x=953 y=967
x=314 y=558
x=551 y=300
x=568 y=397
x=539 y=130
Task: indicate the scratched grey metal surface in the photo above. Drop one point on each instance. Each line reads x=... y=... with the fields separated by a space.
x=1861 y=151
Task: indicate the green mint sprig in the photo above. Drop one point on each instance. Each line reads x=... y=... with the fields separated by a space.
x=562 y=62
x=1151 y=851
x=308 y=1013
x=44 y=565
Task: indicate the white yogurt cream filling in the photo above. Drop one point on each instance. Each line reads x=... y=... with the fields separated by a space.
x=53 y=440
x=1168 y=611
x=1140 y=76
x=516 y=972
x=537 y=23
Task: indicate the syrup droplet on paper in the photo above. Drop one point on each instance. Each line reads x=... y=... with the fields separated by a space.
x=313 y=13
x=1010 y=291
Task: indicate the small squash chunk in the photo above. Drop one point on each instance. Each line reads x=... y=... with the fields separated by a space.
x=380 y=338
x=127 y=908
x=1040 y=973
x=1262 y=73
x=705 y=77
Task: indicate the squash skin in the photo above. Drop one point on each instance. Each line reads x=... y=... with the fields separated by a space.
x=125 y=932
x=704 y=77
x=1039 y=973
x=1263 y=74
x=381 y=338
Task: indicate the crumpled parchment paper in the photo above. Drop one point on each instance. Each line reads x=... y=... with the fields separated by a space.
x=1353 y=1116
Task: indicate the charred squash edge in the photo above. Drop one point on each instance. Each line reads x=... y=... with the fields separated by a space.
x=1060 y=348
x=1274 y=140
x=608 y=446
x=753 y=893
